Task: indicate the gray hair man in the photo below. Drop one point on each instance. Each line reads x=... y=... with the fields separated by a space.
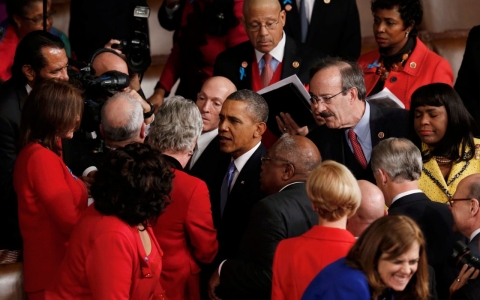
x=397 y=166
x=352 y=125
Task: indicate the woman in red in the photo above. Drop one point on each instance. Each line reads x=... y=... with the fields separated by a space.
x=113 y=253
x=402 y=63
x=50 y=197
x=185 y=231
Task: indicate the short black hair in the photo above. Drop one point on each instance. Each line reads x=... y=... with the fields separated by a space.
x=411 y=11
x=257 y=107
x=461 y=126
x=133 y=183
x=29 y=52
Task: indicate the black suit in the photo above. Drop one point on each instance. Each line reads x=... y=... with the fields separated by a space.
x=469 y=74
x=277 y=217
x=334 y=27
x=12 y=97
x=473 y=245
x=211 y=167
x=244 y=194
x=230 y=61
x=436 y=222
x=384 y=123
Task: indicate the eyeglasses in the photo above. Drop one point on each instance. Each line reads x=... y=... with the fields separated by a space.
x=269 y=25
x=326 y=100
x=452 y=200
x=264 y=159
x=39 y=18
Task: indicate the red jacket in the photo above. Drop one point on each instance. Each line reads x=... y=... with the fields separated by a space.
x=106 y=260
x=186 y=234
x=298 y=260
x=50 y=201
x=422 y=67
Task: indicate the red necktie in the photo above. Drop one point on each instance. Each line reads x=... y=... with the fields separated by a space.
x=267 y=72
x=357 y=149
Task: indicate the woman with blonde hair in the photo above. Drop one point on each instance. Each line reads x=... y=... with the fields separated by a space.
x=387 y=262
x=335 y=196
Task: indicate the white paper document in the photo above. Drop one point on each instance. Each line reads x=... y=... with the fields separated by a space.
x=385 y=98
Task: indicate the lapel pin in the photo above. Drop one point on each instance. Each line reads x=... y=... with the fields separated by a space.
x=244 y=64
x=413 y=65
x=374 y=65
x=326 y=1
x=295 y=64
x=242 y=73
x=381 y=135
x=288 y=7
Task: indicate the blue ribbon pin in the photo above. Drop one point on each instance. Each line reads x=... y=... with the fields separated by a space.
x=242 y=73
x=285 y=2
x=374 y=65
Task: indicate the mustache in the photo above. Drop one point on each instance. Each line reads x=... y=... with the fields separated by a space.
x=326 y=113
x=264 y=39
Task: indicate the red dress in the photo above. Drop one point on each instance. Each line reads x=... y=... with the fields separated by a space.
x=298 y=260
x=106 y=260
x=186 y=234
x=422 y=67
x=50 y=201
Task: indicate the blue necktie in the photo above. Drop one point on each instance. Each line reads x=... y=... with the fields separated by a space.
x=303 y=20
x=227 y=181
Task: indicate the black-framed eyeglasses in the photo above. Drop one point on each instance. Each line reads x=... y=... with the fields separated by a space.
x=39 y=18
x=264 y=159
x=326 y=100
x=452 y=200
x=269 y=26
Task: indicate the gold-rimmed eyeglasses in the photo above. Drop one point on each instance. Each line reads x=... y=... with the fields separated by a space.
x=325 y=100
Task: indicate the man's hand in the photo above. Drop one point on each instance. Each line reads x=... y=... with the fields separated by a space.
x=157 y=98
x=212 y=285
x=462 y=278
x=115 y=42
x=145 y=105
x=286 y=124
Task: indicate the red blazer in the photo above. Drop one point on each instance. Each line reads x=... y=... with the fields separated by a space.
x=214 y=45
x=186 y=234
x=298 y=260
x=106 y=260
x=422 y=67
x=50 y=201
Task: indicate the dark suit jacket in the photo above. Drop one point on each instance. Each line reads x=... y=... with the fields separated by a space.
x=473 y=245
x=244 y=194
x=436 y=222
x=334 y=28
x=211 y=167
x=469 y=74
x=229 y=62
x=277 y=217
x=12 y=98
x=384 y=123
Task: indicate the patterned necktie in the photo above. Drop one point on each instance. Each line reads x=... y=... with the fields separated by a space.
x=225 y=190
x=303 y=20
x=267 y=72
x=357 y=149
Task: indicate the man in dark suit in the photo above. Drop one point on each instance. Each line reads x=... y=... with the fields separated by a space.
x=352 y=125
x=245 y=64
x=40 y=55
x=286 y=213
x=208 y=162
x=466 y=211
x=331 y=27
x=397 y=166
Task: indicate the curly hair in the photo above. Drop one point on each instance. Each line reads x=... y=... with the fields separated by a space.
x=133 y=183
x=411 y=11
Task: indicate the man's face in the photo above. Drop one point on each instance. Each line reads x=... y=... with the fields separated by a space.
x=261 y=25
x=335 y=111
x=209 y=101
x=32 y=19
x=56 y=64
x=237 y=130
x=461 y=209
x=273 y=166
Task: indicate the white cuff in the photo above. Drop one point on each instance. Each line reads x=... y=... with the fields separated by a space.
x=220 y=267
x=88 y=170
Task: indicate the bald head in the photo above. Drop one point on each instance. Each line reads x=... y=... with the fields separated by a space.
x=108 y=61
x=122 y=120
x=372 y=207
x=260 y=4
x=289 y=160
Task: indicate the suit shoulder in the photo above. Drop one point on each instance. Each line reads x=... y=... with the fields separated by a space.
x=234 y=51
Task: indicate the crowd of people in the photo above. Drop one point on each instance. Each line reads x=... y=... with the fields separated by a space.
x=192 y=196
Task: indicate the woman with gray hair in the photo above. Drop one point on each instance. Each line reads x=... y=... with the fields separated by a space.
x=185 y=230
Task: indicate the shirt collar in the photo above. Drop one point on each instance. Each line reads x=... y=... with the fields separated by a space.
x=292 y=183
x=242 y=159
x=362 y=129
x=474 y=234
x=276 y=52
x=205 y=138
x=405 y=194
x=28 y=88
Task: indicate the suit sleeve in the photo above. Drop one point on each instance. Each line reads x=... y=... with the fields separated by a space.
x=199 y=225
x=170 y=73
x=343 y=288
x=351 y=41
x=265 y=231
x=109 y=267
x=48 y=179
x=277 y=290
